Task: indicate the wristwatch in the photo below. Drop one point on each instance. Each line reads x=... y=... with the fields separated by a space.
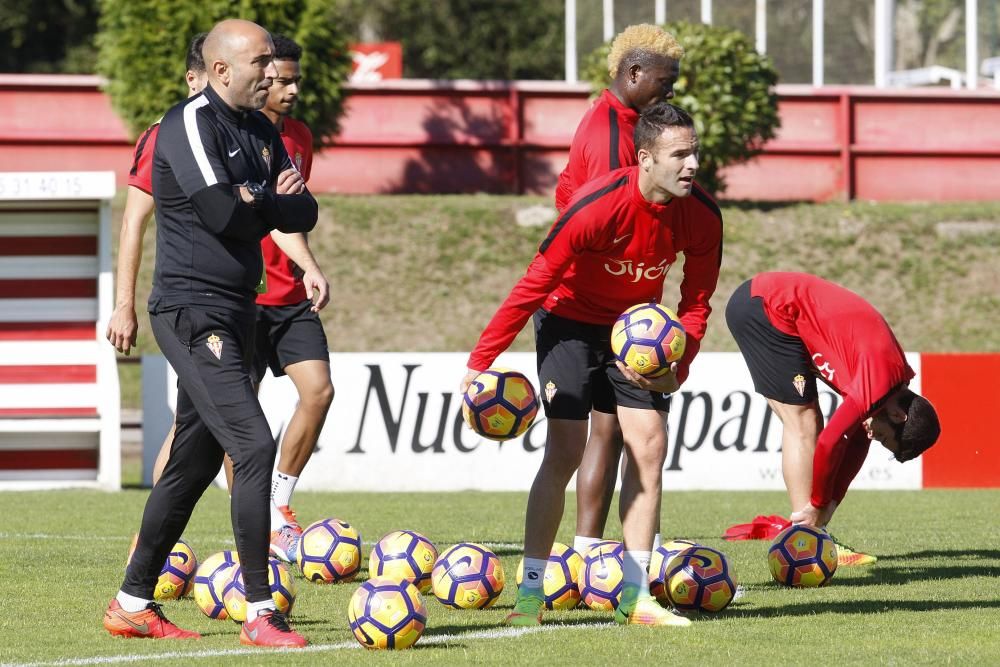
x=256 y=191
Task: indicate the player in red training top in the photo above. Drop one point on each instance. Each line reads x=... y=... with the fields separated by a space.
x=644 y=63
x=290 y=338
x=794 y=327
x=610 y=249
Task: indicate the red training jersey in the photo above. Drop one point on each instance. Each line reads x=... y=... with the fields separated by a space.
x=141 y=174
x=610 y=250
x=284 y=279
x=603 y=142
x=854 y=352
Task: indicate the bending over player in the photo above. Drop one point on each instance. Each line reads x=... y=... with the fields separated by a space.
x=794 y=327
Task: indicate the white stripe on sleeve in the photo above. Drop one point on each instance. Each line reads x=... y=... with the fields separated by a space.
x=194 y=139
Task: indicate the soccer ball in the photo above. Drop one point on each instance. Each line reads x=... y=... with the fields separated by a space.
x=660 y=563
x=279 y=577
x=561 y=576
x=647 y=338
x=384 y=613
x=404 y=555
x=467 y=576
x=500 y=404
x=699 y=579
x=330 y=551
x=802 y=557
x=601 y=576
x=177 y=574
x=210 y=580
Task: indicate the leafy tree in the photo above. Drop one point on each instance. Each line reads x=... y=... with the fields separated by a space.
x=54 y=36
x=725 y=85
x=143 y=45
x=468 y=39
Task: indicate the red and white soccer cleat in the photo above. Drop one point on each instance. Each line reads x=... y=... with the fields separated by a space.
x=148 y=623
x=271 y=629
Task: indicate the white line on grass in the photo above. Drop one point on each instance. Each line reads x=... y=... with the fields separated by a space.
x=497 y=633
x=116 y=538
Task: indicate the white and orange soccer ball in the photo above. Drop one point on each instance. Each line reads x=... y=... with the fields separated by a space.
x=560 y=582
x=210 y=581
x=500 y=404
x=699 y=579
x=387 y=614
x=647 y=338
x=329 y=552
x=404 y=555
x=279 y=577
x=601 y=576
x=177 y=574
x=802 y=557
x=467 y=576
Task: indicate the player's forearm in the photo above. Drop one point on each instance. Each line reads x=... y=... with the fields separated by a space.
x=832 y=448
x=854 y=458
x=290 y=213
x=296 y=246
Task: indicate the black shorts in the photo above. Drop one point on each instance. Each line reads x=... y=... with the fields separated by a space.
x=779 y=364
x=286 y=335
x=577 y=372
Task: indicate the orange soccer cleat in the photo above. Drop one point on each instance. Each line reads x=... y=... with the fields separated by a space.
x=271 y=629
x=148 y=623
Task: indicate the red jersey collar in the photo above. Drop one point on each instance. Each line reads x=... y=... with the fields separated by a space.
x=629 y=113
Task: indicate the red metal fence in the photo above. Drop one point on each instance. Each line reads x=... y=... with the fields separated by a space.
x=463 y=136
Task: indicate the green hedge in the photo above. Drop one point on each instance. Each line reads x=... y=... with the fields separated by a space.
x=143 y=43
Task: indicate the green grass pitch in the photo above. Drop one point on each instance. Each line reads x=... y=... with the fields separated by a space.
x=933 y=597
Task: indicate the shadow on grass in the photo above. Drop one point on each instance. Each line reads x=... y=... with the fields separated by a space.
x=880 y=575
x=764 y=206
x=860 y=607
x=959 y=554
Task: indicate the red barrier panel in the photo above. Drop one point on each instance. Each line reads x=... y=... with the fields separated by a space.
x=468 y=136
x=963 y=389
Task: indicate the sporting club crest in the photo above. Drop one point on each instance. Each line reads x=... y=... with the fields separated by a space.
x=214 y=344
x=550 y=390
x=799 y=382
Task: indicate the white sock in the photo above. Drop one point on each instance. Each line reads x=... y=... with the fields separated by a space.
x=581 y=543
x=282 y=486
x=635 y=568
x=254 y=609
x=131 y=603
x=657 y=541
x=534 y=573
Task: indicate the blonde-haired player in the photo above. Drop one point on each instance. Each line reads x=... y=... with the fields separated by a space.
x=644 y=63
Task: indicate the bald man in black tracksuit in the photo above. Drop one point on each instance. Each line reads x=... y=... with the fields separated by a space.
x=215 y=171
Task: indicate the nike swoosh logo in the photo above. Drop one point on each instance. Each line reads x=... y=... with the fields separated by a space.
x=232 y=153
x=620 y=239
x=144 y=628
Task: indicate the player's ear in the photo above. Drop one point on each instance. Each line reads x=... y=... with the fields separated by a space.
x=633 y=72
x=221 y=70
x=645 y=159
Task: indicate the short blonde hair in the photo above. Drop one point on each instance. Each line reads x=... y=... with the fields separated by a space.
x=643 y=37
